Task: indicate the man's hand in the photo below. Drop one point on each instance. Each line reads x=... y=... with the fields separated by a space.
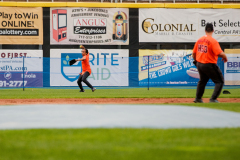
x=224 y=60
x=194 y=56
x=195 y=63
x=223 y=56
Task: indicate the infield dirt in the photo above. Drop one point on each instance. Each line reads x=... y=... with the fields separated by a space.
x=110 y=101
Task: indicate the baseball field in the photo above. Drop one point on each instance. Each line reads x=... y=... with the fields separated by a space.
x=120 y=143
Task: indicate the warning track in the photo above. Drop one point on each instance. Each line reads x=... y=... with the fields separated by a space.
x=110 y=101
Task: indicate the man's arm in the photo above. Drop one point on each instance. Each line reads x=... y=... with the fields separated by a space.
x=223 y=56
x=84 y=58
x=81 y=59
x=217 y=49
x=194 y=56
x=194 y=51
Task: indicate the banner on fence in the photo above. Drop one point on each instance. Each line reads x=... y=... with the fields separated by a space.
x=187 y=25
x=20 y=25
x=167 y=67
x=12 y=66
x=94 y=26
x=109 y=67
x=232 y=67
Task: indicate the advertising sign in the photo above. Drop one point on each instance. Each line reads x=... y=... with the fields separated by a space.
x=167 y=67
x=109 y=67
x=232 y=67
x=12 y=66
x=187 y=25
x=20 y=25
x=95 y=26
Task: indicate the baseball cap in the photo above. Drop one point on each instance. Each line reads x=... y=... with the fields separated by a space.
x=209 y=27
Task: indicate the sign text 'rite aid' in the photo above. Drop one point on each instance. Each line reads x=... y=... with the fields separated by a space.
x=109 y=67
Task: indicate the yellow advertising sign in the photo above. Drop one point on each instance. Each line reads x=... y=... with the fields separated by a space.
x=21 y=25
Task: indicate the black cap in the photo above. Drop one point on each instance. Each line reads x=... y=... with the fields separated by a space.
x=209 y=27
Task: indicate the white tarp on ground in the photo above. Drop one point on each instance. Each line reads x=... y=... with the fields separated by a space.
x=114 y=116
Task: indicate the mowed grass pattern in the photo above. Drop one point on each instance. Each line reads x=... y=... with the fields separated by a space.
x=110 y=93
x=124 y=144
x=121 y=144
x=235 y=107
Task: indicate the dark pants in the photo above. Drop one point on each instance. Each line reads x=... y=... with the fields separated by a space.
x=213 y=72
x=84 y=79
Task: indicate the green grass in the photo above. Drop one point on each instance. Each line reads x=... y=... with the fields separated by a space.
x=123 y=93
x=235 y=107
x=126 y=144
x=116 y=144
x=110 y=93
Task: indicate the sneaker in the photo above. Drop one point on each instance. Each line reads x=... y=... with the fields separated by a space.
x=213 y=101
x=82 y=91
x=93 y=89
x=198 y=101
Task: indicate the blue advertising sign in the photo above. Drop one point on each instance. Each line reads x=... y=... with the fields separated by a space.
x=167 y=67
x=15 y=79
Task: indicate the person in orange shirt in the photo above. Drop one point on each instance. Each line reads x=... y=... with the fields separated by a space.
x=86 y=70
x=205 y=54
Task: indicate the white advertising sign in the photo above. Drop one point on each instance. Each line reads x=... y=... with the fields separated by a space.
x=232 y=69
x=187 y=25
x=11 y=59
x=14 y=69
x=89 y=26
x=109 y=67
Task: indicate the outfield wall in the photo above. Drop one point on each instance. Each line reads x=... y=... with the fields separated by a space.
x=165 y=32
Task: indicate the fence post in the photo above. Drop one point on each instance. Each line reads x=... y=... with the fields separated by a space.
x=148 y=72
x=23 y=73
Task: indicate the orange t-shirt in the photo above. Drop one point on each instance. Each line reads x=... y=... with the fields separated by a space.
x=86 y=65
x=207 y=50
